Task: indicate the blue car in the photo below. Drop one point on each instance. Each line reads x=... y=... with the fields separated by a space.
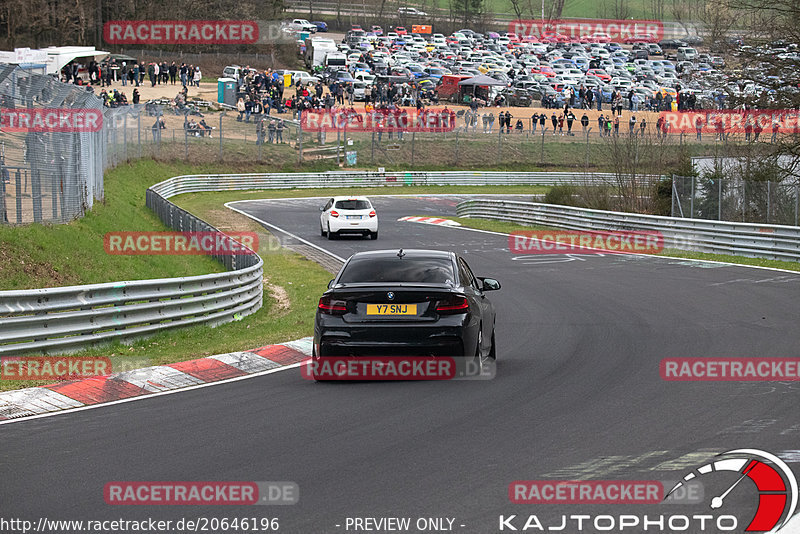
x=321 y=26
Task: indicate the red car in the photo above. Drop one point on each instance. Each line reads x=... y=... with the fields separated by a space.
x=400 y=30
x=600 y=73
x=547 y=71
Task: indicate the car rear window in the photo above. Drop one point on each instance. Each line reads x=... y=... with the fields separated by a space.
x=426 y=270
x=352 y=205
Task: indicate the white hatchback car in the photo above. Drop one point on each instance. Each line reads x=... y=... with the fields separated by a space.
x=343 y=215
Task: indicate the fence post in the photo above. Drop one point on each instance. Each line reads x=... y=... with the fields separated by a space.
x=719 y=200
x=125 y=134
x=499 y=146
x=796 y=202
x=587 y=149
x=541 y=160
x=300 y=137
x=691 y=201
x=456 y=161
x=413 y=144
x=18 y=184
x=220 y=134
x=769 y=204
x=139 y=131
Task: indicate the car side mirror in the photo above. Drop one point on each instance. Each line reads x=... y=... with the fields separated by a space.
x=489 y=284
x=330 y=283
x=322 y=208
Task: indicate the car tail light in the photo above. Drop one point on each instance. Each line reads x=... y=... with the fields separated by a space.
x=334 y=213
x=332 y=306
x=372 y=213
x=453 y=304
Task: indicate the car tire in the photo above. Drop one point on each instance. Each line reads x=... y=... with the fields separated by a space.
x=373 y=235
x=331 y=235
x=313 y=358
x=321 y=231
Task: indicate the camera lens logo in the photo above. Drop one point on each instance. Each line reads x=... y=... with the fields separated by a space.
x=777 y=485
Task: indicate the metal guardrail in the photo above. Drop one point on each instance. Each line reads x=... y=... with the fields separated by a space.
x=752 y=240
x=70 y=318
x=65 y=319
x=229 y=182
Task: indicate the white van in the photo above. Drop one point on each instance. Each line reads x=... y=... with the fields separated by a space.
x=686 y=53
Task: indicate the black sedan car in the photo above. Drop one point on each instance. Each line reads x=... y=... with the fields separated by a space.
x=407 y=303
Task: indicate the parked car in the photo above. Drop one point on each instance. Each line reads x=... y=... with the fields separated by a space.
x=305 y=25
x=411 y=12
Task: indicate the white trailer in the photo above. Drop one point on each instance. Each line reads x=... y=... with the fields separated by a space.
x=316 y=50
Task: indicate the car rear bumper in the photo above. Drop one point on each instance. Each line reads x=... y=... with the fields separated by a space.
x=399 y=340
x=343 y=225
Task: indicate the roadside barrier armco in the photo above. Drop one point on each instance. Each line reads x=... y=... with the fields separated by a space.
x=64 y=319
x=773 y=242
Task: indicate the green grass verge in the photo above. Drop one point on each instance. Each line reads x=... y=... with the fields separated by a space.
x=508 y=227
x=43 y=255
x=202 y=202
x=294 y=283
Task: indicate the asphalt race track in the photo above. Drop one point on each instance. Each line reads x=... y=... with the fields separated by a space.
x=577 y=395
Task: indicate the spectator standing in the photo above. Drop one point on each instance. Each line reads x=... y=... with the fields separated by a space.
x=173 y=73
x=197 y=76
x=279 y=131
x=585 y=122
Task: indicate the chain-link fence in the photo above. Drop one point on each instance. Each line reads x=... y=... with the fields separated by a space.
x=51 y=160
x=735 y=200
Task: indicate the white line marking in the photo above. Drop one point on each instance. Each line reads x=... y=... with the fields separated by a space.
x=265 y=223
x=650 y=255
x=152 y=395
